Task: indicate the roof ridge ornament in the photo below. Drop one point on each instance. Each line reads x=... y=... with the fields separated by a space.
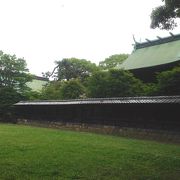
x=135 y=42
x=171 y=34
x=134 y=39
x=160 y=40
x=149 y=41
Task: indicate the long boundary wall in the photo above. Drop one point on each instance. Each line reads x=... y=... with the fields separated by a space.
x=149 y=121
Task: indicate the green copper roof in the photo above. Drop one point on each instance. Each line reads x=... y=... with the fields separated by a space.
x=153 y=53
x=37 y=84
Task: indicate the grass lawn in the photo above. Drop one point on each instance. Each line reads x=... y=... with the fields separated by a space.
x=40 y=153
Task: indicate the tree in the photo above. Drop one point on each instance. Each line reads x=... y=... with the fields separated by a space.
x=168 y=82
x=113 y=61
x=164 y=16
x=74 y=68
x=32 y=95
x=52 y=91
x=13 y=78
x=13 y=72
x=72 y=89
x=97 y=84
x=8 y=96
x=114 y=83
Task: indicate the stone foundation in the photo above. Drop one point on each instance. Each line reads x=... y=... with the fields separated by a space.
x=157 y=135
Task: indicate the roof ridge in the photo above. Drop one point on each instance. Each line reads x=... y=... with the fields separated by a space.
x=163 y=40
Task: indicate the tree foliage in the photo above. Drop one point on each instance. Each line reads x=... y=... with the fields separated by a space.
x=164 y=16
x=97 y=84
x=74 y=68
x=13 y=78
x=32 y=95
x=113 y=61
x=72 y=89
x=13 y=72
x=114 y=83
x=168 y=82
x=52 y=91
x=8 y=96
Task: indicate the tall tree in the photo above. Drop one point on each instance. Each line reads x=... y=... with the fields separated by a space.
x=13 y=72
x=74 y=68
x=113 y=61
x=114 y=83
x=72 y=89
x=13 y=78
x=164 y=16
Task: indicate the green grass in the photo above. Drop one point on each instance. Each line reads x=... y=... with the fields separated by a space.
x=40 y=153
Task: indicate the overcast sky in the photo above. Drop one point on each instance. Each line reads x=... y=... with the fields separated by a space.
x=43 y=31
